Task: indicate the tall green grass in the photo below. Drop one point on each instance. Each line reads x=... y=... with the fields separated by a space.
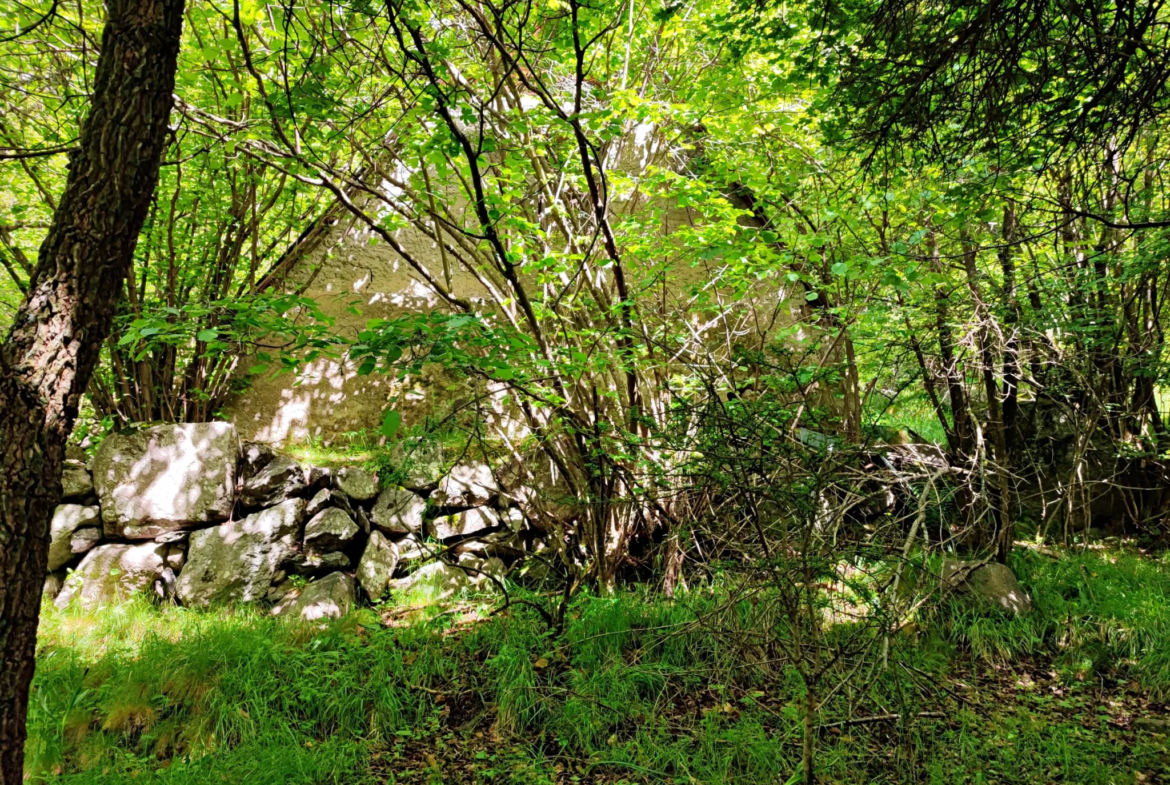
x=638 y=689
x=1094 y=612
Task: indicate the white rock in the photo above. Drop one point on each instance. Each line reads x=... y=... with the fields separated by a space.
x=166 y=478
x=465 y=524
x=398 y=511
x=466 y=485
x=67 y=519
x=329 y=597
x=112 y=573
x=378 y=563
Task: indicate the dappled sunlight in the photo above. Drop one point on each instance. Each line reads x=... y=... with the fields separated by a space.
x=161 y=475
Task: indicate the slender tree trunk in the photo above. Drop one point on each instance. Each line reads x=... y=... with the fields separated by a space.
x=50 y=353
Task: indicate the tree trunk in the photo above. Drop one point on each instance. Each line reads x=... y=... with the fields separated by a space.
x=56 y=337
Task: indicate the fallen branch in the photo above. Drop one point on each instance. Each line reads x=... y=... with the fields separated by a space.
x=879 y=718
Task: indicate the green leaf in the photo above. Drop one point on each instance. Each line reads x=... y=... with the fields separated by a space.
x=208 y=335
x=390 y=423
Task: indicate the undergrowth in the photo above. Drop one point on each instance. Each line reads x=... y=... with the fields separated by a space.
x=638 y=689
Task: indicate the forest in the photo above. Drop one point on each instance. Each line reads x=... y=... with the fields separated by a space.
x=649 y=391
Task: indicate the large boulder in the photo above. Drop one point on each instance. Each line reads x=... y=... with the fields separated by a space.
x=76 y=482
x=328 y=597
x=358 y=484
x=988 y=583
x=112 y=573
x=378 y=563
x=329 y=530
x=475 y=521
x=166 y=478
x=398 y=511
x=466 y=485
x=235 y=562
x=280 y=479
x=67 y=519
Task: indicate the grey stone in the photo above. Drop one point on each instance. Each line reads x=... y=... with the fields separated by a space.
x=112 y=573
x=358 y=484
x=76 y=482
x=363 y=520
x=421 y=463
x=466 y=485
x=434 y=581
x=503 y=544
x=279 y=590
x=328 y=597
x=68 y=518
x=84 y=539
x=329 y=530
x=314 y=564
x=254 y=456
x=991 y=584
x=166 y=478
x=465 y=524
x=410 y=549
x=235 y=562
x=398 y=511
x=317 y=477
x=321 y=499
x=282 y=478
x=469 y=560
x=378 y=563
x=173 y=537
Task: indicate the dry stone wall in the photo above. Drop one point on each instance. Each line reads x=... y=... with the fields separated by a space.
x=190 y=514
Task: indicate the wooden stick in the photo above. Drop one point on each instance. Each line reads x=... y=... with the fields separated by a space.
x=879 y=718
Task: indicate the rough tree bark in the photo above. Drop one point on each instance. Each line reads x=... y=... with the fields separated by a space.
x=55 y=340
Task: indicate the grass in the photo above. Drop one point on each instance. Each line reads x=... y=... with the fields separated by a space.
x=638 y=690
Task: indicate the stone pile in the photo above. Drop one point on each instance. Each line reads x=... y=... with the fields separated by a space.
x=188 y=513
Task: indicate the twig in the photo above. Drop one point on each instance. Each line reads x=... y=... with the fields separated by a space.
x=879 y=718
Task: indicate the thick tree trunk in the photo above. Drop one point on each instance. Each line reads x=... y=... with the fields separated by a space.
x=51 y=351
